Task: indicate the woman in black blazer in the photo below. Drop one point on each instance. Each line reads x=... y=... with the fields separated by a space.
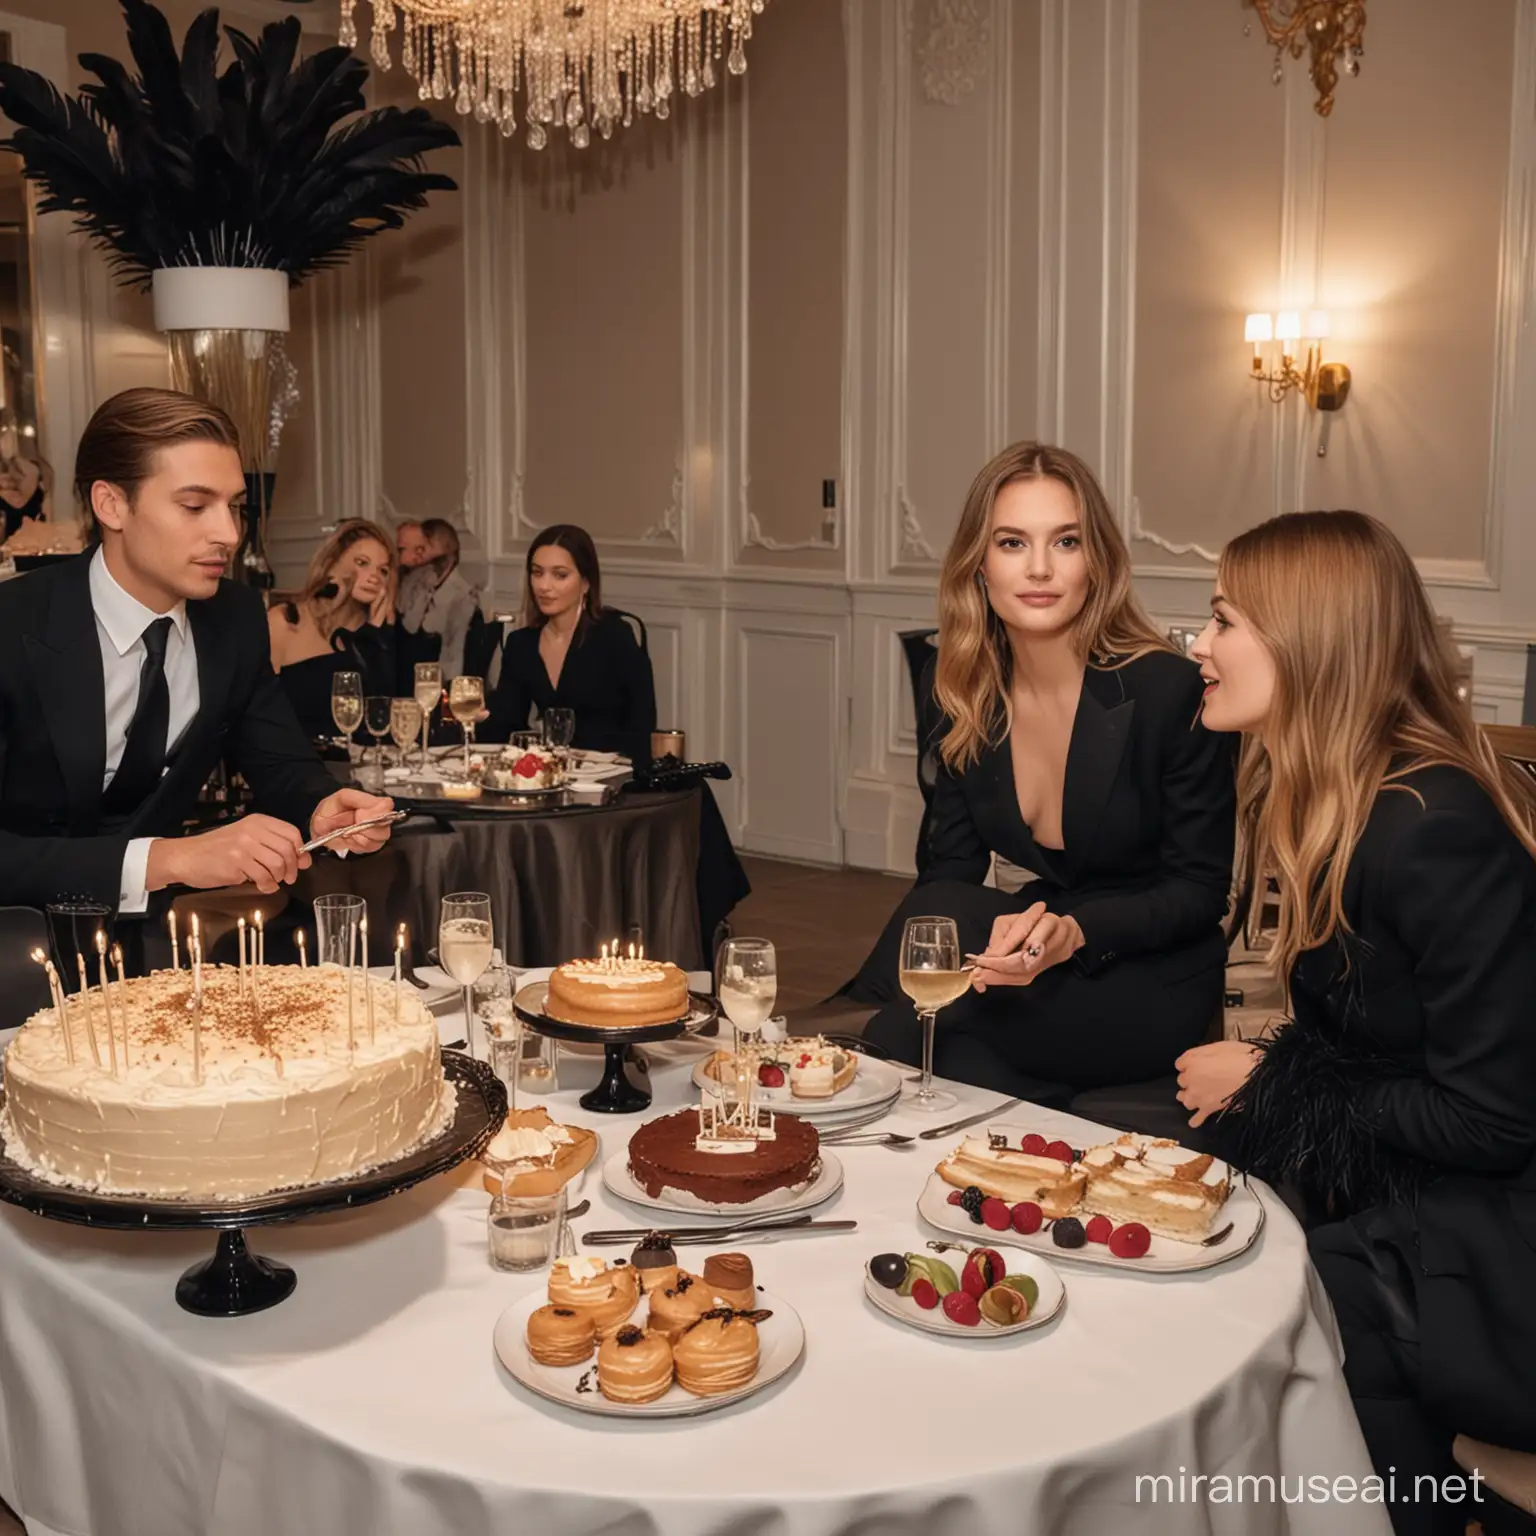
x=1070 y=745
x=573 y=654
x=1400 y=1096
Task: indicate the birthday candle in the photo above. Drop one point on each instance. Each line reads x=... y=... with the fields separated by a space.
x=367 y=981
x=85 y=1001
x=59 y=1012
x=170 y=923
x=242 y=956
x=106 y=1001
x=122 y=997
x=399 y=965
x=303 y=951
x=195 y=959
x=351 y=961
x=258 y=948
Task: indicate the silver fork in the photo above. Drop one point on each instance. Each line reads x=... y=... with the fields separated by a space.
x=871 y=1139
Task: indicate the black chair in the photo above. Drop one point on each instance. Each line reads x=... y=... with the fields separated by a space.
x=637 y=626
x=23 y=982
x=922 y=658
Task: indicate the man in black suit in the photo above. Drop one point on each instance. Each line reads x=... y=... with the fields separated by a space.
x=128 y=672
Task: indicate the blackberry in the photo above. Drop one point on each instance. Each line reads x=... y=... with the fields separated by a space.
x=971 y=1201
x=1068 y=1233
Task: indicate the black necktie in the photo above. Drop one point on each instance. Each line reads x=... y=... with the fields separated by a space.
x=144 y=754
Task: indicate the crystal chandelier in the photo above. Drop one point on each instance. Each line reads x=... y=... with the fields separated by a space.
x=578 y=64
x=1331 y=29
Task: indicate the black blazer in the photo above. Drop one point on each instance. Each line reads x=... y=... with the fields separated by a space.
x=1148 y=815
x=1406 y=1081
x=606 y=680
x=55 y=843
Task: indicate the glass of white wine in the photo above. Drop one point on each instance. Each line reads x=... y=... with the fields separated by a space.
x=404 y=723
x=931 y=976
x=429 y=693
x=347 y=704
x=464 y=951
x=466 y=698
x=747 y=987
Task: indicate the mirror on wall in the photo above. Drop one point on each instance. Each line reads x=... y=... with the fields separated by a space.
x=25 y=481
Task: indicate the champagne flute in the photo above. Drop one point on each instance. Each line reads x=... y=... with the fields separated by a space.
x=464 y=950
x=429 y=692
x=747 y=987
x=377 y=708
x=347 y=704
x=931 y=976
x=466 y=698
x=404 y=723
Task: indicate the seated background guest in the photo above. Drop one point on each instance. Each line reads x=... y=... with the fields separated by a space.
x=25 y=486
x=436 y=598
x=1401 y=1095
x=571 y=653
x=127 y=672
x=411 y=546
x=339 y=621
x=1070 y=746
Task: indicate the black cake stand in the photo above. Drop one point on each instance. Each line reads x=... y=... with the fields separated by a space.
x=617 y=1093
x=236 y=1281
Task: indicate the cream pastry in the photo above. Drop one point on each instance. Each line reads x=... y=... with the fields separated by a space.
x=560 y=1335
x=718 y=1353
x=729 y=1280
x=656 y=1262
x=634 y=1366
x=674 y=1308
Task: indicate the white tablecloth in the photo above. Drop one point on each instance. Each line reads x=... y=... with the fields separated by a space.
x=370 y=1402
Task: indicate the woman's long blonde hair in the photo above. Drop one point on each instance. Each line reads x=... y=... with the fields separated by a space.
x=975 y=664
x=328 y=611
x=1365 y=692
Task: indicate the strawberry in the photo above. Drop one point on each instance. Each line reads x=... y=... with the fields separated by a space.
x=1061 y=1151
x=984 y=1268
x=1098 y=1229
x=960 y=1307
x=1026 y=1217
x=926 y=1294
x=527 y=766
x=1034 y=1144
x=770 y=1076
x=995 y=1213
x=1130 y=1241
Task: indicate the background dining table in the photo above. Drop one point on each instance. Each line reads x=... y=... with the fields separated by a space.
x=371 y=1403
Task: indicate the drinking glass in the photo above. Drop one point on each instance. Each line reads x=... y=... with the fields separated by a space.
x=404 y=723
x=466 y=698
x=376 y=712
x=559 y=727
x=72 y=929
x=429 y=693
x=931 y=976
x=521 y=1230
x=464 y=951
x=524 y=741
x=747 y=986
x=347 y=704
x=336 y=930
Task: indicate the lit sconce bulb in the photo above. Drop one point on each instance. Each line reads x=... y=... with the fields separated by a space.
x=1259 y=328
x=1317 y=325
x=1288 y=325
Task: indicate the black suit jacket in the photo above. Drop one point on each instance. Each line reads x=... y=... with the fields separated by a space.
x=55 y=842
x=1148 y=815
x=606 y=680
x=1405 y=1085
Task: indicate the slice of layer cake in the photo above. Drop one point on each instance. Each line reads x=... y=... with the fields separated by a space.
x=1056 y=1187
x=1172 y=1190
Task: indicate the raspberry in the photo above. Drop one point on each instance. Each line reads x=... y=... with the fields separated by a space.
x=527 y=766
x=1098 y=1229
x=996 y=1215
x=770 y=1076
x=1061 y=1151
x=1027 y=1216
x=1130 y=1241
x=960 y=1307
x=955 y=1197
x=1034 y=1144
x=925 y=1294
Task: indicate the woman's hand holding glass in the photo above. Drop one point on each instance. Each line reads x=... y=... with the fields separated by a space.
x=1024 y=944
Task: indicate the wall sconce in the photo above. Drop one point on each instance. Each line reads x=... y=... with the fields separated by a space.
x=1324 y=386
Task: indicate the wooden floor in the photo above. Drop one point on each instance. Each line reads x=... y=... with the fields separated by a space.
x=822 y=922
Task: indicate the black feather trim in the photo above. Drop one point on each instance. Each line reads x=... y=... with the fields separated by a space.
x=1300 y=1118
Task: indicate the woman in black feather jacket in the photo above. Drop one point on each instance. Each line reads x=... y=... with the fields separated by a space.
x=1400 y=1097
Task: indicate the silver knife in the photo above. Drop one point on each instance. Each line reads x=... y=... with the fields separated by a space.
x=357 y=826
x=737 y=1235
x=634 y=1234
x=959 y=1125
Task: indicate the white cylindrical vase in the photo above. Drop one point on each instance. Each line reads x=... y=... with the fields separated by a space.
x=220 y=299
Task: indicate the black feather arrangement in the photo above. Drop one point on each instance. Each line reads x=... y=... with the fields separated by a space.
x=275 y=162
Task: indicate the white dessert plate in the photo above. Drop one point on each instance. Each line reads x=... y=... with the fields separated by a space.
x=781 y=1342
x=1167 y=1256
x=826 y=1183
x=874 y=1083
x=1052 y=1297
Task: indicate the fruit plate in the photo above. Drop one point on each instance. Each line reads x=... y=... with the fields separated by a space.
x=1166 y=1256
x=876 y=1082
x=1020 y=1261
x=781 y=1341
x=826 y=1183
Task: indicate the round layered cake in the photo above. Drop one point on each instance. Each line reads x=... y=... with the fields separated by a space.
x=663 y=1155
x=287 y=1084
x=617 y=993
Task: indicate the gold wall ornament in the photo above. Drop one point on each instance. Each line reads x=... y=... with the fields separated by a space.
x=576 y=64
x=1331 y=29
x=1275 y=365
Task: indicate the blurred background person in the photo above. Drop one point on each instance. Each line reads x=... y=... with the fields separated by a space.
x=437 y=597
x=411 y=546
x=25 y=485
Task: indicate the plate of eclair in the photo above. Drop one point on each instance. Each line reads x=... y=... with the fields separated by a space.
x=645 y=1338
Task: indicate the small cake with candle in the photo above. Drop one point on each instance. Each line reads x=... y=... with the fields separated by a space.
x=617 y=991
x=261 y=1078
x=718 y=1353
x=533 y=1154
x=634 y=1366
x=560 y=1335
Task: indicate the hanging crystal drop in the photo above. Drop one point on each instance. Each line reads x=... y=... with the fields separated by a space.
x=709 y=74
x=581 y=136
x=537 y=138
x=737 y=62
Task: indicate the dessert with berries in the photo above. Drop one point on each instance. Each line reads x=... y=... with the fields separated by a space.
x=1157 y=1184
x=807 y=1066
x=1011 y=1175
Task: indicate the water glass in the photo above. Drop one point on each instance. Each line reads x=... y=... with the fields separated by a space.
x=538 y=1063
x=559 y=728
x=522 y=1230
x=337 y=924
x=72 y=930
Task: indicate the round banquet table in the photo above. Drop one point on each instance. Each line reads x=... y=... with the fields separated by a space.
x=562 y=880
x=371 y=1404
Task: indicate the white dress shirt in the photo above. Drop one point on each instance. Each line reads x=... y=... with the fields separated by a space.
x=121 y=620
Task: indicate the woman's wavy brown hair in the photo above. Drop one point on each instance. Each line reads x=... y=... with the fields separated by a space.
x=327 y=608
x=1365 y=693
x=975 y=665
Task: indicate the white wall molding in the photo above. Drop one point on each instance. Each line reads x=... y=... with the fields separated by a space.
x=1051 y=257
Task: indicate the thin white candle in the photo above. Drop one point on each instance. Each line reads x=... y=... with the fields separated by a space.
x=367 y=982
x=399 y=962
x=59 y=1012
x=241 y=929
x=303 y=950
x=351 y=961
x=122 y=997
x=195 y=959
x=106 y=1001
x=259 y=942
x=85 y=1003
x=170 y=923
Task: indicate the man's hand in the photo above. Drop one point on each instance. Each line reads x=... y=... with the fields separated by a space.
x=344 y=808
x=259 y=849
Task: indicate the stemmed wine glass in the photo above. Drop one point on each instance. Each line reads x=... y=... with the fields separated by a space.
x=347 y=704
x=747 y=987
x=404 y=723
x=932 y=978
x=377 y=708
x=466 y=698
x=464 y=949
x=429 y=691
